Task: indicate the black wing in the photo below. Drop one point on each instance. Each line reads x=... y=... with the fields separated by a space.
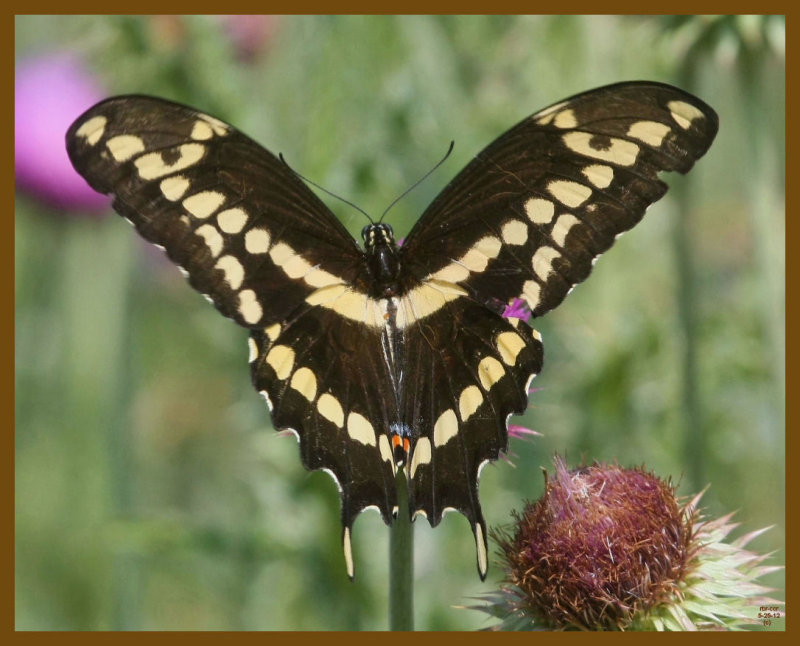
x=469 y=370
x=266 y=251
x=247 y=231
x=526 y=219
x=528 y=216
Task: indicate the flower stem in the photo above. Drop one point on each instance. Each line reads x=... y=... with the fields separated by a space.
x=401 y=562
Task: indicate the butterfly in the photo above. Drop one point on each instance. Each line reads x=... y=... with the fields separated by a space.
x=383 y=356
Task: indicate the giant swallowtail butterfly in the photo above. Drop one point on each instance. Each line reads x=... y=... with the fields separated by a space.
x=386 y=356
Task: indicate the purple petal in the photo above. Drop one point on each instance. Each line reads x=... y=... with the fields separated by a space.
x=521 y=432
x=518 y=310
x=50 y=92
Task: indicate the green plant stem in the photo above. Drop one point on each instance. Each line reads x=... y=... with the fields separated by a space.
x=695 y=441
x=401 y=563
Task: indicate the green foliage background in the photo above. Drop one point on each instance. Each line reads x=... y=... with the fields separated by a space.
x=151 y=491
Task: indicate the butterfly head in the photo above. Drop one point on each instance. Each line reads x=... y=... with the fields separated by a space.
x=379 y=234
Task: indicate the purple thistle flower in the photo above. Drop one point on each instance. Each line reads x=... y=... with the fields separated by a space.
x=518 y=309
x=50 y=92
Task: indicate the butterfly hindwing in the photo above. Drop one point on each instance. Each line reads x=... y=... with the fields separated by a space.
x=317 y=382
x=472 y=369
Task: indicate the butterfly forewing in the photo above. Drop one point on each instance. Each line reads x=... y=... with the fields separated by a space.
x=421 y=371
x=530 y=214
x=247 y=231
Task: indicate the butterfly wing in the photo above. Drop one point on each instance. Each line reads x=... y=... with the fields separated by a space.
x=528 y=216
x=265 y=250
x=226 y=211
x=526 y=219
x=471 y=369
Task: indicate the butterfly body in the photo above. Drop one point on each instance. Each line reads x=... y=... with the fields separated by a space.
x=393 y=356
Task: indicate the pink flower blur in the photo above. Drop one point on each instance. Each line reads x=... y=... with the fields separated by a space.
x=250 y=35
x=50 y=92
x=521 y=432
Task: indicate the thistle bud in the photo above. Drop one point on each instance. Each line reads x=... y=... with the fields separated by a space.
x=608 y=548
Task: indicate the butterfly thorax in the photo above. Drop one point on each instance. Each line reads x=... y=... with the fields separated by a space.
x=383 y=263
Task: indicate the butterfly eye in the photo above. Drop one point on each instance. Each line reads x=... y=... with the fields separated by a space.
x=364 y=232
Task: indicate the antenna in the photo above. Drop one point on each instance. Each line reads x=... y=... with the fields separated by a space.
x=419 y=181
x=325 y=190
